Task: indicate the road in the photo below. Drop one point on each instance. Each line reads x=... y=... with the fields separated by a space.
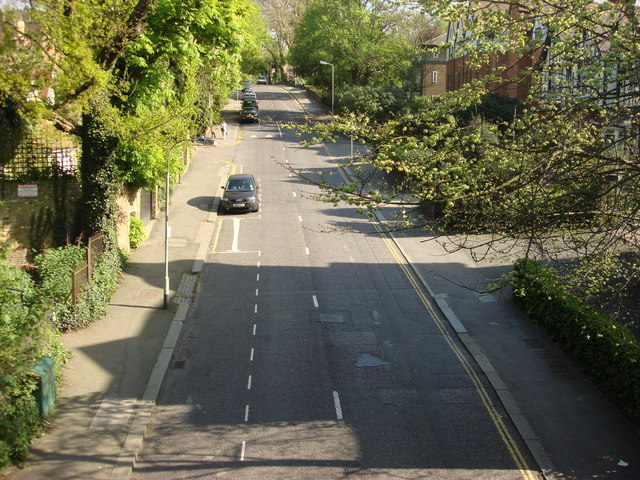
x=311 y=352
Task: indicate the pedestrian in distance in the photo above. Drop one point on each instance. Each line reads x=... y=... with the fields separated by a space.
x=224 y=129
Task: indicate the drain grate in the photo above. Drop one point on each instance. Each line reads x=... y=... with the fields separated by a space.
x=149 y=293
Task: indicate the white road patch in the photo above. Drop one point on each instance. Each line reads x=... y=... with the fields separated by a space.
x=242 y=450
x=236 y=234
x=256 y=292
x=299 y=218
x=258 y=278
x=254 y=328
x=315 y=301
x=295 y=194
x=251 y=356
x=307 y=250
x=246 y=413
x=249 y=383
x=336 y=403
x=255 y=308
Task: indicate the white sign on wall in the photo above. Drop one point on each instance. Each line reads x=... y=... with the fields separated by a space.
x=28 y=190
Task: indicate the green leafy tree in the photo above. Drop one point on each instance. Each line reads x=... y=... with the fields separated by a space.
x=555 y=177
x=282 y=18
x=128 y=77
x=361 y=39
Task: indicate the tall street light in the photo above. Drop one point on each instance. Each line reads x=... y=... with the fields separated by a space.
x=322 y=62
x=166 y=223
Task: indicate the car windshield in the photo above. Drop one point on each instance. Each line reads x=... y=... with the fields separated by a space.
x=249 y=110
x=239 y=185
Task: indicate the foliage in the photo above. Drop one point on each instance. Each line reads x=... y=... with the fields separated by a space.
x=378 y=103
x=25 y=336
x=282 y=18
x=555 y=176
x=55 y=272
x=137 y=232
x=135 y=71
x=361 y=39
x=96 y=294
x=13 y=127
x=608 y=352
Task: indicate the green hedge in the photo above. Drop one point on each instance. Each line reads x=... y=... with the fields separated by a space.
x=607 y=352
x=25 y=336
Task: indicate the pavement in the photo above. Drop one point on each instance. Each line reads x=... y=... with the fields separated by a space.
x=118 y=363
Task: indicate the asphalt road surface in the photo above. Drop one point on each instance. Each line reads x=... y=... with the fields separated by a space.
x=311 y=353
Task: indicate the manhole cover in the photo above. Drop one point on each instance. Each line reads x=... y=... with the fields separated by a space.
x=366 y=360
x=331 y=318
x=149 y=293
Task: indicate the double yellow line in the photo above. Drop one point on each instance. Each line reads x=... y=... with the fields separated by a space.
x=496 y=418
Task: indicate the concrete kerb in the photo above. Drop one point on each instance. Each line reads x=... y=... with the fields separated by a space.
x=535 y=447
x=540 y=456
x=145 y=406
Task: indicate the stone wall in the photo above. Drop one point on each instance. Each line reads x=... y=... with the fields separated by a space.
x=24 y=207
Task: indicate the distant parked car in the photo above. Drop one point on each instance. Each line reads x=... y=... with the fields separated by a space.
x=249 y=95
x=240 y=193
x=262 y=80
x=249 y=114
x=250 y=103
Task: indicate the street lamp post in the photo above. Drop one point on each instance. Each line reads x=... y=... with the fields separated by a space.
x=322 y=62
x=166 y=224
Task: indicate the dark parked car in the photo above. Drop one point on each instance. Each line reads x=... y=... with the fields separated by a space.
x=250 y=103
x=240 y=193
x=249 y=114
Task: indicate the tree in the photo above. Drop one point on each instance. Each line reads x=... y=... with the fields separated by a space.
x=360 y=38
x=128 y=76
x=282 y=18
x=554 y=178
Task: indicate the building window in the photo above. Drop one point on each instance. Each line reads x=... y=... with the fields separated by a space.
x=434 y=77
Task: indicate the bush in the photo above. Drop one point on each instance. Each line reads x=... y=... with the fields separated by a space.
x=379 y=103
x=25 y=336
x=55 y=272
x=137 y=232
x=96 y=294
x=606 y=351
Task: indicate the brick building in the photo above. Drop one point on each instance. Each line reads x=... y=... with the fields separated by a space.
x=434 y=67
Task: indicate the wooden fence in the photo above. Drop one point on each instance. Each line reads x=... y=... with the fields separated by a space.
x=83 y=273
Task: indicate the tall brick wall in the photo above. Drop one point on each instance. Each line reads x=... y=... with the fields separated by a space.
x=17 y=213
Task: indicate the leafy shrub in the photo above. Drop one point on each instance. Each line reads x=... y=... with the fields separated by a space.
x=95 y=295
x=606 y=351
x=55 y=271
x=25 y=336
x=137 y=232
x=380 y=103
